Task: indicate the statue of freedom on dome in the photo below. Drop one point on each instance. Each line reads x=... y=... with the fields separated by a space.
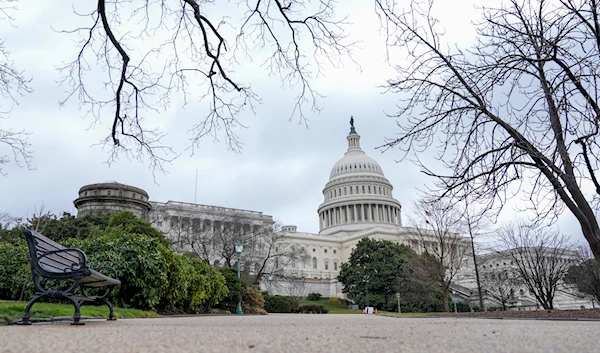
x=351 y=120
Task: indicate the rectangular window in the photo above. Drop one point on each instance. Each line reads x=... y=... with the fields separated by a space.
x=326 y=265
x=334 y=251
x=335 y=266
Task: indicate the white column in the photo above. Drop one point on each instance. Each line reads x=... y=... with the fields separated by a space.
x=346 y=218
x=354 y=210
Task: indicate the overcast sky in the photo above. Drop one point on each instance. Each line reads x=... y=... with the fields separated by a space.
x=283 y=166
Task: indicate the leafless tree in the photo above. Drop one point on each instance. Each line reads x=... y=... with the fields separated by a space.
x=275 y=253
x=214 y=237
x=520 y=103
x=7 y=221
x=500 y=285
x=295 y=286
x=14 y=144
x=541 y=256
x=211 y=234
x=149 y=50
x=437 y=224
x=475 y=224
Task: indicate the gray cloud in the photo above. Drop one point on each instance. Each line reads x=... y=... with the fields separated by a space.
x=283 y=166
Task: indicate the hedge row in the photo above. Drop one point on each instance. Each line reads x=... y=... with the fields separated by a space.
x=152 y=276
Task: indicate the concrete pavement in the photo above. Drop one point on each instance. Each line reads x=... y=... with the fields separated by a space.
x=303 y=333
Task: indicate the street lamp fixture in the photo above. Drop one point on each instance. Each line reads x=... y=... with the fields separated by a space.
x=398 y=297
x=238 y=249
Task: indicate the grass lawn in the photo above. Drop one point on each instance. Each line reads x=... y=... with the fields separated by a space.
x=343 y=309
x=11 y=310
x=333 y=308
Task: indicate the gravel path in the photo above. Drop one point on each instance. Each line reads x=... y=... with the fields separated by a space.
x=303 y=333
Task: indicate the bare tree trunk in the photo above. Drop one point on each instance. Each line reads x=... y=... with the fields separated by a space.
x=479 y=291
x=445 y=293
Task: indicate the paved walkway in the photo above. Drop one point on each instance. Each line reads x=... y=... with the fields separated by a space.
x=303 y=333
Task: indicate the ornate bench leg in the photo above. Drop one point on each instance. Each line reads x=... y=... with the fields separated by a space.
x=111 y=315
x=77 y=314
x=28 y=308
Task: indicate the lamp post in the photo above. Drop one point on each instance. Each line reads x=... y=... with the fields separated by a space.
x=398 y=297
x=271 y=284
x=238 y=249
x=454 y=300
x=367 y=295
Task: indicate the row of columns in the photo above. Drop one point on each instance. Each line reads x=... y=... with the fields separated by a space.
x=359 y=213
x=208 y=225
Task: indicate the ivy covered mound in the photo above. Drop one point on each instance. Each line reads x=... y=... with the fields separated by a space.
x=152 y=276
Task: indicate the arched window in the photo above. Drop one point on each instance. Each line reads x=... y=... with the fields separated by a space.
x=369 y=189
x=363 y=188
x=314 y=261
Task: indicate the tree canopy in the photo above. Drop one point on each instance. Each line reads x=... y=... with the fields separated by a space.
x=389 y=268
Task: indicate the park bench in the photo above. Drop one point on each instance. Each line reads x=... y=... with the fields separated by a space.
x=69 y=266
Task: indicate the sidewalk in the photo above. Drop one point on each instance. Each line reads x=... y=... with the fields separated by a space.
x=302 y=333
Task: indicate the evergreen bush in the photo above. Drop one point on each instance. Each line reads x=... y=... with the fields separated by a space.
x=314 y=296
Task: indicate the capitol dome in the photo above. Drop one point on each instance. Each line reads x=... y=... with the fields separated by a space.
x=358 y=195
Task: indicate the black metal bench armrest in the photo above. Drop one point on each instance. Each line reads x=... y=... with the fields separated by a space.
x=76 y=266
x=107 y=268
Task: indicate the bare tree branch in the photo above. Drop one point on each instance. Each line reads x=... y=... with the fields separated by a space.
x=506 y=114
x=12 y=83
x=150 y=50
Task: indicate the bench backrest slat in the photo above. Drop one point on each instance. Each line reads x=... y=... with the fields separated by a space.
x=56 y=263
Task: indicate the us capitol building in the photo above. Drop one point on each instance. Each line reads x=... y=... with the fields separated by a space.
x=358 y=203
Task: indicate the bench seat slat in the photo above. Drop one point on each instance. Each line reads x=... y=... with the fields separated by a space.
x=56 y=263
x=43 y=246
x=97 y=279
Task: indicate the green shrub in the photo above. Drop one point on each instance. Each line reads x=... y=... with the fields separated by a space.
x=281 y=304
x=15 y=273
x=152 y=276
x=312 y=309
x=462 y=307
x=194 y=286
x=254 y=302
x=314 y=296
x=237 y=289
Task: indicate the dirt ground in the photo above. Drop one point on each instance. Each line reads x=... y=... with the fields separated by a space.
x=538 y=314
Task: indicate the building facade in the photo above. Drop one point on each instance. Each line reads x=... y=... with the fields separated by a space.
x=358 y=202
